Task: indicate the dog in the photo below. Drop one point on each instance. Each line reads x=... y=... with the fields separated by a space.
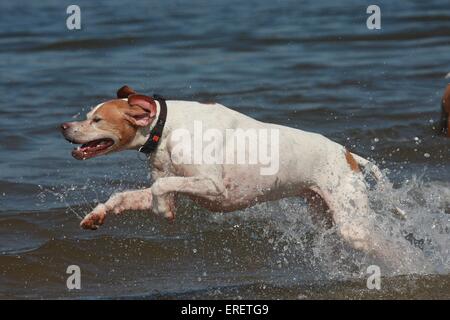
x=445 y=112
x=311 y=166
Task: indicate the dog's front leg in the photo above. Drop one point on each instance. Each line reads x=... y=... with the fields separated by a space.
x=164 y=188
x=117 y=204
x=164 y=205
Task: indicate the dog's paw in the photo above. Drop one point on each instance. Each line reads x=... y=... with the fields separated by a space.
x=94 y=219
x=170 y=215
x=164 y=206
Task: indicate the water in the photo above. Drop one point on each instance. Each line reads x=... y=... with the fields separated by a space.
x=312 y=65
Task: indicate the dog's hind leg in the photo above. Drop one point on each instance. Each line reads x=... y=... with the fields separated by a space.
x=349 y=208
x=357 y=225
x=318 y=208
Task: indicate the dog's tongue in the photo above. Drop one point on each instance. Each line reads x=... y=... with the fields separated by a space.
x=96 y=145
x=93 y=144
x=91 y=148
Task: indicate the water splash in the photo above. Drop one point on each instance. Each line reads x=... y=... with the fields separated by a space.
x=428 y=224
x=300 y=246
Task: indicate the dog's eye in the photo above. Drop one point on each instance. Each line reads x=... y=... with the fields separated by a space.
x=97 y=120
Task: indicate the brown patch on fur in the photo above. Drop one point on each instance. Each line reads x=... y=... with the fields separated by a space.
x=124 y=92
x=113 y=114
x=351 y=161
x=445 y=114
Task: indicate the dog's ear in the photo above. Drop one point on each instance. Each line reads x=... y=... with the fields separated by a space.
x=124 y=92
x=142 y=110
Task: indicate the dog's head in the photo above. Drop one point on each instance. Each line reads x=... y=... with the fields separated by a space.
x=112 y=125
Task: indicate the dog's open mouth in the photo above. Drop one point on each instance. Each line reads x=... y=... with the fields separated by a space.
x=92 y=148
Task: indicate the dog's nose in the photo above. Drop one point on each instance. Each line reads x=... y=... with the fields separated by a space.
x=65 y=126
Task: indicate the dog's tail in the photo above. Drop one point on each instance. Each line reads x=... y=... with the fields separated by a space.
x=379 y=178
x=370 y=167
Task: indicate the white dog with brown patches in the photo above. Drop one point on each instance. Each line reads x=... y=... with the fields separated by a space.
x=310 y=166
